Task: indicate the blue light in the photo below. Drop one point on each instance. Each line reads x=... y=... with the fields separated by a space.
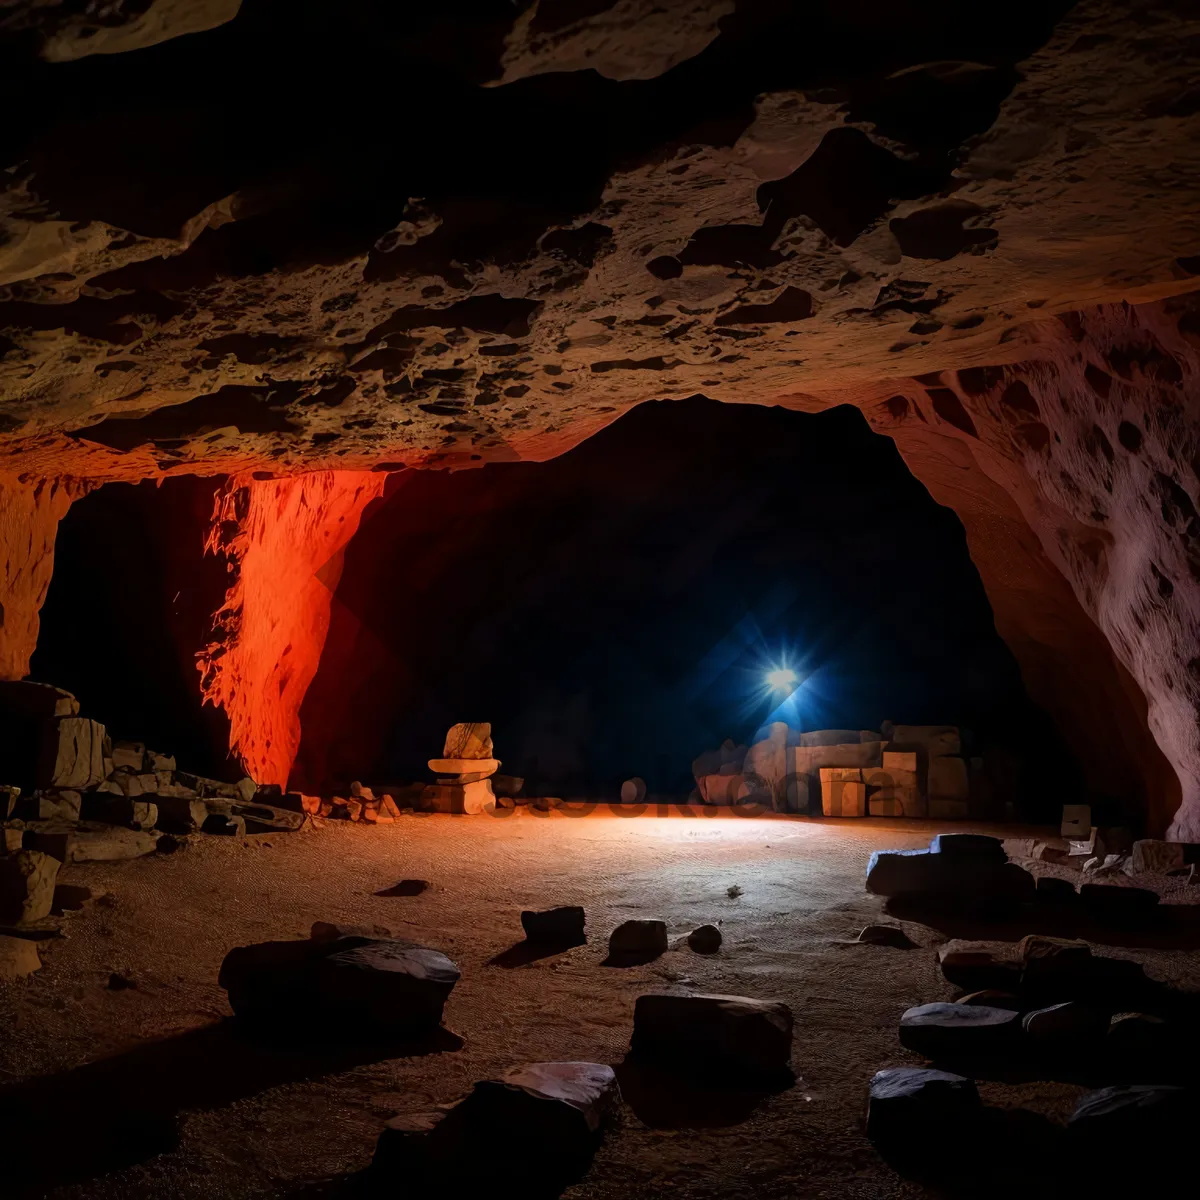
x=782 y=679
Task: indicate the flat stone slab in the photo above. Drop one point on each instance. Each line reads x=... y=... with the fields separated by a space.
x=478 y=768
x=907 y=1103
x=714 y=1032
x=957 y=1029
x=359 y=985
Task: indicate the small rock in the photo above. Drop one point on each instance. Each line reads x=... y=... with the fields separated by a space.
x=508 y=786
x=1069 y=1022
x=957 y=1029
x=27 y=880
x=907 y=1103
x=406 y=887
x=18 y=957
x=714 y=1033
x=554 y=925
x=886 y=935
x=545 y=803
x=360 y=792
x=733 y=891
x=246 y=789
x=706 y=939
x=633 y=791
x=638 y=937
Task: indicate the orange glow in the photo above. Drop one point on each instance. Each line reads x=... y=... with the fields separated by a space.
x=284 y=540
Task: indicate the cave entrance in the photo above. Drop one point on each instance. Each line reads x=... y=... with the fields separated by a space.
x=612 y=612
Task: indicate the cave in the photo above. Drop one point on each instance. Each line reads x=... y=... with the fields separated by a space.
x=511 y=512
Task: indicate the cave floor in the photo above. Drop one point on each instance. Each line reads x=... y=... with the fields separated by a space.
x=280 y=1123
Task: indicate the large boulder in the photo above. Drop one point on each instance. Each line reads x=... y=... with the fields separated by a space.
x=918 y=1104
x=530 y=1132
x=637 y=937
x=957 y=1030
x=713 y=1033
x=360 y=985
x=958 y=880
x=554 y=925
x=27 y=881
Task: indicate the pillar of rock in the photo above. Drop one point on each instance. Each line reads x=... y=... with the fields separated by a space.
x=30 y=510
x=284 y=540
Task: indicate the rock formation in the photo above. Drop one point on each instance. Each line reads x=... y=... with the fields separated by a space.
x=471 y=238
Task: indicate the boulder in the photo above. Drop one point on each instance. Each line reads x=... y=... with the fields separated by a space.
x=53 y=806
x=705 y=939
x=1115 y=905
x=949 y=879
x=554 y=925
x=721 y=1034
x=957 y=1029
x=71 y=753
x=507 y=785
x=907 y=1104
x=530 y=1132
x=1068 y=1024
x=18 y=957
x=975 y=966
x=638 y=937
x=1153 y=857
x=633 y=791
x=1042 y=957
x=969 y=845
x=90 y=841
x=359 y=985
x=1111 y=1119
x=27 y=881
x=469 y=740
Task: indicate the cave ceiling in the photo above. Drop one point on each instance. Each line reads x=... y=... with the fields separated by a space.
x=278 y=237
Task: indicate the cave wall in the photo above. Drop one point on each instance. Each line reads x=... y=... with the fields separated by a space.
x=283 y=540
x=30 y=510
x=1076 y=477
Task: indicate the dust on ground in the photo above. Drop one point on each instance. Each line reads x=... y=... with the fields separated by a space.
x=251 y=1126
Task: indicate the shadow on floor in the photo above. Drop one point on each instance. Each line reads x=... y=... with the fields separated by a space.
x=525 y=952
x=663 y=1098
x=638 y=959
x=1168 y=927
x=109 y=1114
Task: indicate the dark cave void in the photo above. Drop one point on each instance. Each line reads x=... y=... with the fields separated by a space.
x=612 y=611
x=130 y=602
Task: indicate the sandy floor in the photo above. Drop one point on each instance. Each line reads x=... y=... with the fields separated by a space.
x=255 y=1124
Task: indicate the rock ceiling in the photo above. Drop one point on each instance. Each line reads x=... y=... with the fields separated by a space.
x=280 y=236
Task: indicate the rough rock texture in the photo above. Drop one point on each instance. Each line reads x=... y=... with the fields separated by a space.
x=284 y=540
x=30 y=510
x=944 y=221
